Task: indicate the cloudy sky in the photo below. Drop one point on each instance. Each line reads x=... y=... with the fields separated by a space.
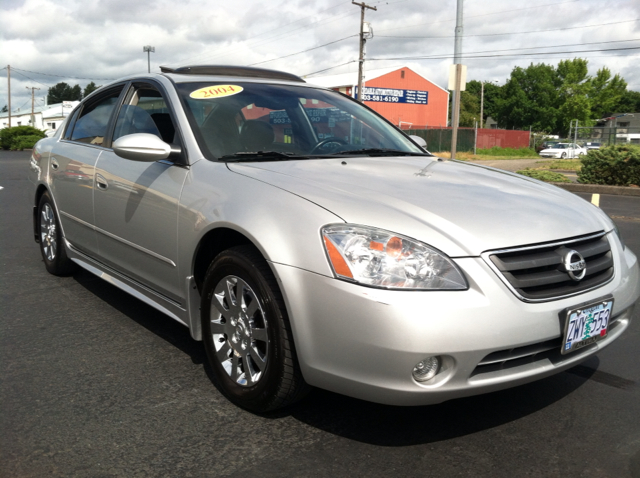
x=77 y=41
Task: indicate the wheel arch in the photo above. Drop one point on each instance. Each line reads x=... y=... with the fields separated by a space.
x=41 y=189
x=213 y=243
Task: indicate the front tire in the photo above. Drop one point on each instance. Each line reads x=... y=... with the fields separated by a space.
x=52 y=247
x=563 y=155
x=246 y=333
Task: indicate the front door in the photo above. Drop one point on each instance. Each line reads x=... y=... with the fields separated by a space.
x=136 y=203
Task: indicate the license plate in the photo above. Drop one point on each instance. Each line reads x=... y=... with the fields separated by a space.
x=586 y=325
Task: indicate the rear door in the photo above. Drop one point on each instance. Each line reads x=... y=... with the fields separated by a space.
x=136 y=203
x=72 y=164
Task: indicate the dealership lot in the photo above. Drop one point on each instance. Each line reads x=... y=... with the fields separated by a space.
x=96 y=383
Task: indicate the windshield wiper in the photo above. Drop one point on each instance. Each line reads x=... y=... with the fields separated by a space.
x=380 y=152
x=260 y=156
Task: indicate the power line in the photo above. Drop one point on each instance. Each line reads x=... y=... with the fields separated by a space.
x=514 y=33
x=303 y=51
x=66 y=77
x=330 y=68
x=440 y=57
x=446 y=55
x=29 y=78
x=276 y=37
x=481 y=15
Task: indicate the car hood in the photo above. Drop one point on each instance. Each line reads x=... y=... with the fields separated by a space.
x=552 y=150
x=460 y=208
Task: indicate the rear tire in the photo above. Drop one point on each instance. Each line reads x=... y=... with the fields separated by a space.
x=246 y=333
x=52 y=247
x=563 y=155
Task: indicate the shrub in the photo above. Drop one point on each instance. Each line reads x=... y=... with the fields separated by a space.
x=547 y=176
x=24 y=142
x=616 y=165
x=9 y=136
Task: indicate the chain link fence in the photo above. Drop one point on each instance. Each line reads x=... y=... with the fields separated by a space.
x=439 y=139
x=605 y=136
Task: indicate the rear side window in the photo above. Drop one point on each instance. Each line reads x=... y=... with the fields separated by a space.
x=91 y=126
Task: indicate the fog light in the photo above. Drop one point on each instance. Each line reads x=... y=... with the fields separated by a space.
x=426 y=369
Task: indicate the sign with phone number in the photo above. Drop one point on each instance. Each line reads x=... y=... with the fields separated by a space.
x=388 y=95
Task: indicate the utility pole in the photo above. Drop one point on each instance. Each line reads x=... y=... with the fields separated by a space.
x=362 y=40
x=456 y=111
x=457 y=52
x=33 y=117
x=9 y=80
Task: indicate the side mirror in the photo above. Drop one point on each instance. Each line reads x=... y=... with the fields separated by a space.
x=419 y=141
x=143 y=147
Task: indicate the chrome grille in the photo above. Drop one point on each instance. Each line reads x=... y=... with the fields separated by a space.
x=536 y=273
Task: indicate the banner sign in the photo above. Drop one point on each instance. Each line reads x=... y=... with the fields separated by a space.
x=388 y=95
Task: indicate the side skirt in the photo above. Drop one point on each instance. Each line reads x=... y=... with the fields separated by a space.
x=164 y=304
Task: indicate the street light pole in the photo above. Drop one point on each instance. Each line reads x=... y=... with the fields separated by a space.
x=149 y=49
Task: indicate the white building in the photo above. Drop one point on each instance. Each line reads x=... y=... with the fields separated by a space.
x=45 y=118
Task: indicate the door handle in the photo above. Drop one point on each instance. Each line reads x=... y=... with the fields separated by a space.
x=101 y=182
x=54 y=163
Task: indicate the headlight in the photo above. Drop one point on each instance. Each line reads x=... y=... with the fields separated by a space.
x=617 y=231
x=383 y=259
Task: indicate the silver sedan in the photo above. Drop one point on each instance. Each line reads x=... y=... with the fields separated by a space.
x=308 y=242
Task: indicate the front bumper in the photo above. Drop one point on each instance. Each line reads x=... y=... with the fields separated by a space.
x=364 y=342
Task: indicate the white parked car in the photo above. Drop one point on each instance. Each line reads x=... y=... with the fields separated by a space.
x=564 y=150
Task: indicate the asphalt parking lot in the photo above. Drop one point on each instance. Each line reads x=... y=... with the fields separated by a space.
x=94 y=383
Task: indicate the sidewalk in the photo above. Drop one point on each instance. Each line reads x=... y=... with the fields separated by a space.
x=518 y=164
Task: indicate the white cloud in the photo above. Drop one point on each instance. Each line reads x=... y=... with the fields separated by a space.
x=101 y=39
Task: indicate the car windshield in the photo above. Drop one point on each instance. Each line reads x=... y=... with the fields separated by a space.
x=561 y=146
x=233 y=122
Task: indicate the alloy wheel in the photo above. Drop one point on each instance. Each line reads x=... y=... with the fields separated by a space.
x=239 y=330
x=48 y=238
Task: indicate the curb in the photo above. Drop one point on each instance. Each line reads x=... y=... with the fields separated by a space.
x=599 y=189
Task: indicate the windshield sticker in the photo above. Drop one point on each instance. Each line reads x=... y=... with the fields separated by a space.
x=217 y=91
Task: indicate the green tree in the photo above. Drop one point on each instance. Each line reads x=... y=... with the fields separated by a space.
x=4 y=109
x=574 y=94
x=629 y=102
x=491 y=95
x=606 y=93
x=529 y=98
x=64 y=92
x=90 y=88
x=469 y=109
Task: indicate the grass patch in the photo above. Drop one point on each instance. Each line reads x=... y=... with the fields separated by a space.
x=547 y=176
x=564 y=164
x=521 y=153
x=490 y=154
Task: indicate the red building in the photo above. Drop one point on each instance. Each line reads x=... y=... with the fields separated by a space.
x=401 y=95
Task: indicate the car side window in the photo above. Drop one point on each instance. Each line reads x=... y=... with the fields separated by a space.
x=71 y=124
x=91 y=126
x=146 y=111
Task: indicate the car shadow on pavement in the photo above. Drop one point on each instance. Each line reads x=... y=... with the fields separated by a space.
x=151 y=319
x=385 y=425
